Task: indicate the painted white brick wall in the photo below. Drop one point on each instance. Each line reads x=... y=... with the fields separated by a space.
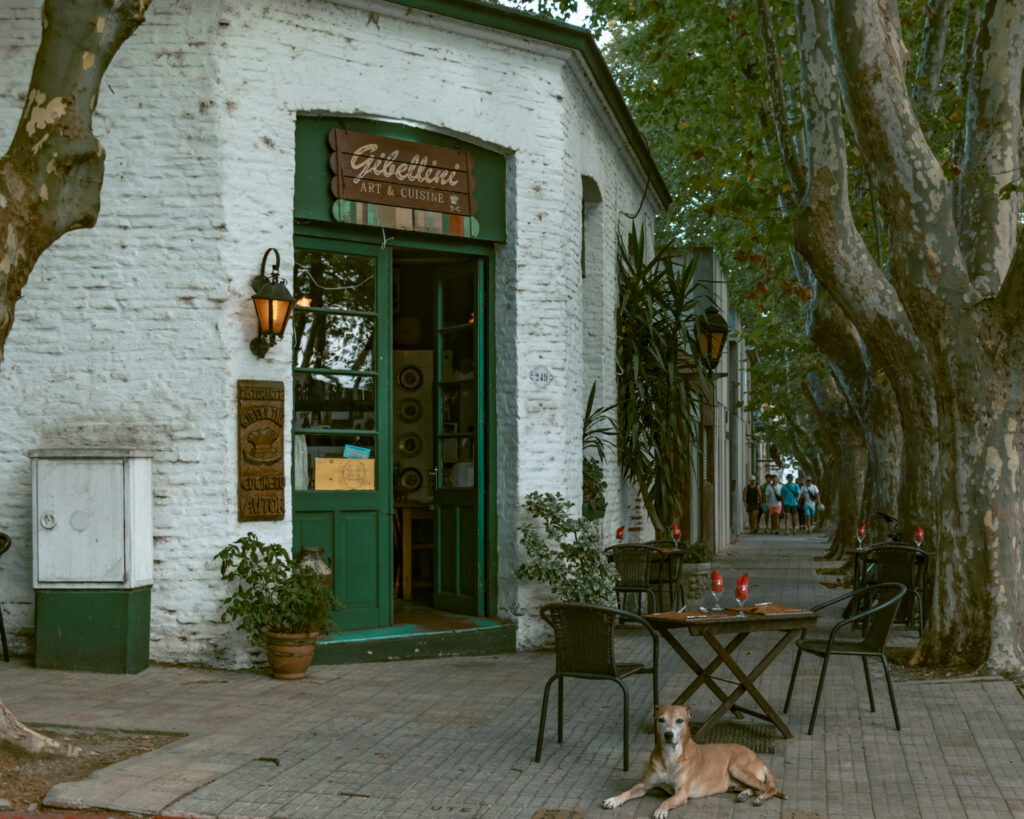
x=135 y=333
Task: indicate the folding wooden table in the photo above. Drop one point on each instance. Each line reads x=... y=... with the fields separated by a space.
x=769 y=617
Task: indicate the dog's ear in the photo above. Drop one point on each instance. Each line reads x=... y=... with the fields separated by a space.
x=657 y=712
x=686 y=708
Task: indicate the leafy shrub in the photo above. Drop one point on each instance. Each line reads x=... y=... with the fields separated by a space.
x=568 y=557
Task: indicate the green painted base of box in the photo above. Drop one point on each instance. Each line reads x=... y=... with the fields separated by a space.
x=93 y=629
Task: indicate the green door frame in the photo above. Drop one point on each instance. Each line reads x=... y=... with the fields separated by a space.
x=460 y=513
x=361 y=239
x=344 y=521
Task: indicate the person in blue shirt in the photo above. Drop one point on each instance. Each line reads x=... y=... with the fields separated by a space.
x=790 y=495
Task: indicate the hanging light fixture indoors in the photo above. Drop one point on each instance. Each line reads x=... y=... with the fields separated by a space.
x=714 y=330
x=273 y=302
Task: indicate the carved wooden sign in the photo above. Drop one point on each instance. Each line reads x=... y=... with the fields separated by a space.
x=260 y=450
x=400 y=173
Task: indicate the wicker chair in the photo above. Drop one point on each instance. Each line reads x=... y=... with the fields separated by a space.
x=5 y=544
x=882 y=603
x=664 y=576
x=585 y=648
x=634 y=562
x=899 y=563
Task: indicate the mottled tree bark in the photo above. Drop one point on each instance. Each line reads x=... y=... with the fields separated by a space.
x=16 y=735
x=943 y=317
x=850 y=454
x=51 y=175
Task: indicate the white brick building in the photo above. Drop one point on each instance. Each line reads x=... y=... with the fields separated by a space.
x=136 y=333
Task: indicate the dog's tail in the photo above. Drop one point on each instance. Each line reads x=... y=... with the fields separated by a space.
x=769 y=785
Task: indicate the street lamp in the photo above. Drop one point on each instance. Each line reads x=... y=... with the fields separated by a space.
x=273 y=302
x=714 y=330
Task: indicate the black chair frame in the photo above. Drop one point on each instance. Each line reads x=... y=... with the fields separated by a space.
x=633 y=562
x=665 y=574
x=585 y=649
x=5 y=544
x=898 y=563
x=877 y=619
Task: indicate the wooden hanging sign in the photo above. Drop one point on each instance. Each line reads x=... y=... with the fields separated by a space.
x=402 y=174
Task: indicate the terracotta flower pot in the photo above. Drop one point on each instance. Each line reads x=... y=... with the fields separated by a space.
x=290 y=654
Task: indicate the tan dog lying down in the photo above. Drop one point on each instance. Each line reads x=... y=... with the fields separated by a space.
x=688 y=770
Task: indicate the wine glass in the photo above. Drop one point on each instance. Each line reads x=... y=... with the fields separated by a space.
x=919 y=537
x=676 y=534
x=741 y=595
x=717 y=586
x=861 y=531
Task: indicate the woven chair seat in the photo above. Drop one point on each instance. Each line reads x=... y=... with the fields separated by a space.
x=819 y=647
x=585 y=648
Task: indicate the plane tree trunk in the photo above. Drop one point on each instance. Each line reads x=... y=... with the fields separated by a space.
x=846 y=439
x=943 y=316
x=51 y=175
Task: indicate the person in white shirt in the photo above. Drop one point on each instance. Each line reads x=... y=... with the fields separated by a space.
x=810 y=494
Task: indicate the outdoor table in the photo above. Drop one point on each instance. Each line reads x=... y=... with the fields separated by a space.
x=766 y=617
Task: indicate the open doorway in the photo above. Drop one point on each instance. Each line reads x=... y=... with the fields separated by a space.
x=437 y=434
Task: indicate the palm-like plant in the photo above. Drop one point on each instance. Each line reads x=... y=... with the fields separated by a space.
x=661 y=378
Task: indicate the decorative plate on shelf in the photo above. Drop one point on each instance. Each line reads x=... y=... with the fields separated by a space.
x=410 y=410
x=410 y=479
x=410 y=444
x=410 y=378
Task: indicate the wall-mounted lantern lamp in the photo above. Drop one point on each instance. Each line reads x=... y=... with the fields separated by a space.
x=714 y=330
x=273 y=302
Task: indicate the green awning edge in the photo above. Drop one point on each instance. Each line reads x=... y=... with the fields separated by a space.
x=526 y=24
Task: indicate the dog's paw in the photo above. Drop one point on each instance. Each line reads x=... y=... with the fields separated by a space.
x=759 y=800
x=743 y=796
x=660 y=813
x=611 y=802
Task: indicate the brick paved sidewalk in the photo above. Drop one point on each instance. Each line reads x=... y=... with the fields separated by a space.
x=455 y=737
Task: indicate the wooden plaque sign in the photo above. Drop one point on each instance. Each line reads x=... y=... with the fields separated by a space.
x=260 y=450
x=401 y=174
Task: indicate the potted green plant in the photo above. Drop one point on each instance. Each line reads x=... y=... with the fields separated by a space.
x=567 y=556
x=597 y=428
x=695 y=570
x=280 y=602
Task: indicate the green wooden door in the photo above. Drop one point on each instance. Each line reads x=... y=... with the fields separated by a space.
x=459 y=571
x=341 y=425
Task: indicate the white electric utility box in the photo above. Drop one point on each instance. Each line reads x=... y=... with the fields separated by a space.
x=92 y=513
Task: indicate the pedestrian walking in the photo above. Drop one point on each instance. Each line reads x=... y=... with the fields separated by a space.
x=752 y=500
x=810 y=505
x=790 y=494
x=800 y=503
x=773 y=500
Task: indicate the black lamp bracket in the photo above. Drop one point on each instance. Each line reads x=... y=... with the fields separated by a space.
x=263 y=279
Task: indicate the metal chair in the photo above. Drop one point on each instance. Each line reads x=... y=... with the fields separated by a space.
x=633 y=562
x=664 y=575
x=878 y=617
x=585 y=648
x=5 y=544
x=899 y=563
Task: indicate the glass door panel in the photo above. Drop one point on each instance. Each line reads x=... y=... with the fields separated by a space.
x=459 y=542
x=341 y=377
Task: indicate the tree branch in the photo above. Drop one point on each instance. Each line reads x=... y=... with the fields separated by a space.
x=777 y=95
x=51 y=175
x=931 y=55
x=913 y=192
x=988 y=221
